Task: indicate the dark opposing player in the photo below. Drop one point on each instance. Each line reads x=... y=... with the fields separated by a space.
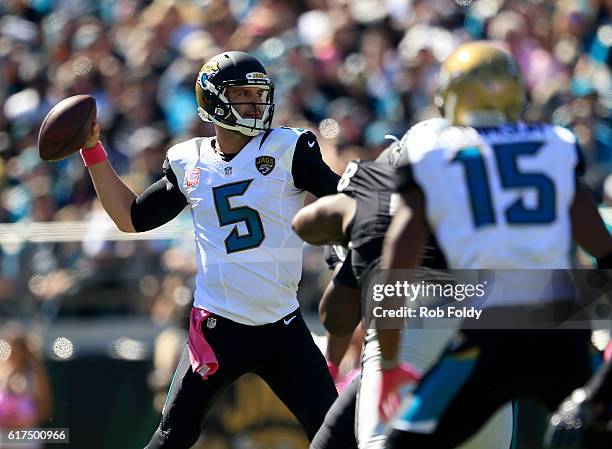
x=242 y=186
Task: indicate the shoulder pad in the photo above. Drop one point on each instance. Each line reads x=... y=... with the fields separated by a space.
x=564 y=134
x=421 y=138
x=184 y=151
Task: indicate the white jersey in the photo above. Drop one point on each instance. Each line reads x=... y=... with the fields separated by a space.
x=496 y=198
x=249 y=258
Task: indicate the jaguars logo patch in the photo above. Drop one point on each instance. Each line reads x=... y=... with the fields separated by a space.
x=265 y=164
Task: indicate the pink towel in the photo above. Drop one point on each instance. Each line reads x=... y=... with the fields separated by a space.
x=202 y=358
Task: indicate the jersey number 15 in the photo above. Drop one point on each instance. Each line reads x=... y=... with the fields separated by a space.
x=479 y=189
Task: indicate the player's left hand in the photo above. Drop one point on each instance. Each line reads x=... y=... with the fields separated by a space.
x=391 y=381
x=567 y=425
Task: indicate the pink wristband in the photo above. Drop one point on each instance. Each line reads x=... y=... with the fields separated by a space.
x=94 y=155
x=333 y=369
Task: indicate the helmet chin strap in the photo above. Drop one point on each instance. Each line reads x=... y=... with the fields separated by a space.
x=250 y=124
x=248 y=132
x=251 y=132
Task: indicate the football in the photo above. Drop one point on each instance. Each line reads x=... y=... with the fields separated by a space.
x=66 y=127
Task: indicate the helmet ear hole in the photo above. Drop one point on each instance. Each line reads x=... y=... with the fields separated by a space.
x=221 y=110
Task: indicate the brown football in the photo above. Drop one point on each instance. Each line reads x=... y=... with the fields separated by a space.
x=66 y=127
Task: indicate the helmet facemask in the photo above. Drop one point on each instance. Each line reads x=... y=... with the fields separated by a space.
x=215 y=106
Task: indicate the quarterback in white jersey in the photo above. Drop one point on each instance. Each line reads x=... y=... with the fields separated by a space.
x=242 y=212
x=497 y=194
x=243 y=187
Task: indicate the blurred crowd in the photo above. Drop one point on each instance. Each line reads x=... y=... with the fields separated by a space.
x=351 y=70
x=25 y=392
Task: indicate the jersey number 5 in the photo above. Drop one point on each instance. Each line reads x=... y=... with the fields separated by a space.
x=230 y=215
x=506 y=156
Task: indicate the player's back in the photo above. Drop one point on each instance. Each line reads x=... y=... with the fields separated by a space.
x=497 y=197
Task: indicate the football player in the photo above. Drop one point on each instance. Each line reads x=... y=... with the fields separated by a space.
x=359 y=217
x=496 y=193
x=242 y=186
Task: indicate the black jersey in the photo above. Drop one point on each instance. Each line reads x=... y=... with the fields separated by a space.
x=373 y=186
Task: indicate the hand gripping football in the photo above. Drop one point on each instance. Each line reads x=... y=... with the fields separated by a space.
x=66 y=127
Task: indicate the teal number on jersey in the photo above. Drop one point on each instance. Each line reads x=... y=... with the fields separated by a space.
x=511 y=177
x=506 y=156
x=478 y=185
x=230 y=215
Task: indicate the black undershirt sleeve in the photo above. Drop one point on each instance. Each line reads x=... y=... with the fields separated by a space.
x=160 y=202
x=309 y=171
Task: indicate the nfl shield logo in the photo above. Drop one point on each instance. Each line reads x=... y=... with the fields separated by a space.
x=265 y=164
x=192 y=177
x=211 y=322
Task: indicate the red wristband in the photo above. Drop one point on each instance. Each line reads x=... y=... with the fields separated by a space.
x=94 y=155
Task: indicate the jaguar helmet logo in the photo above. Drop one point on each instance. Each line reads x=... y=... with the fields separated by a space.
x=211 y=67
